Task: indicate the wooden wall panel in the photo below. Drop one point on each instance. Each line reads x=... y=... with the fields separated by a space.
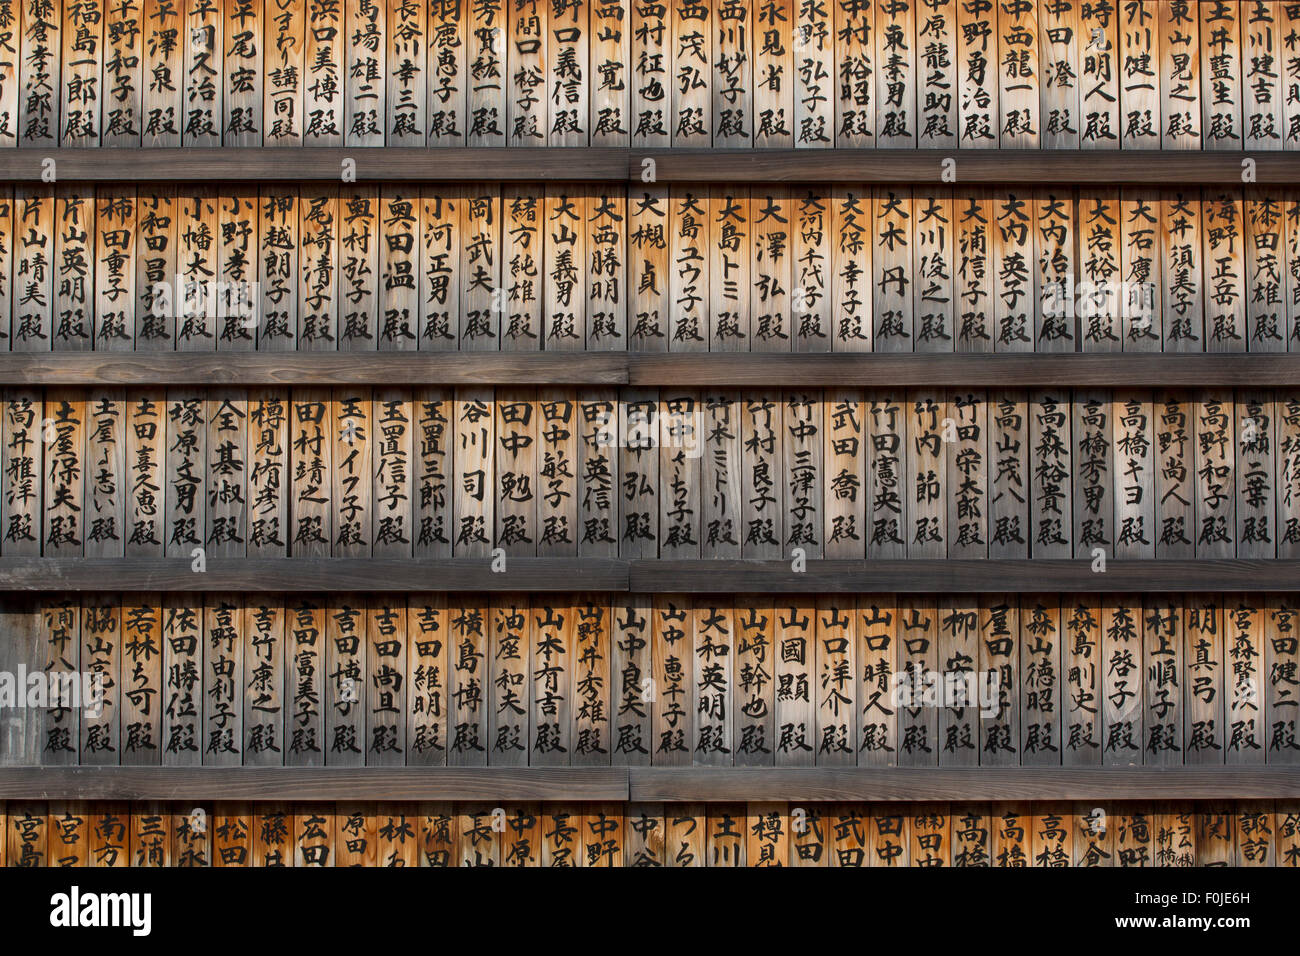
x=1149 y=833
x=353 y=472
x=570 y=267
x=1151 y=74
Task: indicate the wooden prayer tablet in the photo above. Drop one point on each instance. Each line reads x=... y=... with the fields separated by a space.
x=678 y=433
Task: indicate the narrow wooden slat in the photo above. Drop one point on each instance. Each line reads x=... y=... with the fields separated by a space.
x=299 y=783
x=164 y=47
x=447 y=76
x=412 y=164
x=610 y=36
x=952 y=783
x=284 y=40
x=896 y=55
x=244 y=75
x=312 y=575
x=182 y=704
x=200 y=118
x=1081 y=370
x=915 y=576
x=1139 y=165
x=776 y=74
x=39 y=86
x=448 y=368
x=439 y=272
x=407 y=89
x=288 y=163
x=10 y=42
x=920 y=576
x=22 y=481
x=568 y=84
x=968 y=370
x=1018 y=74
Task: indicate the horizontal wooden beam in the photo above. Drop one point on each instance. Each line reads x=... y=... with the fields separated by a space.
x=217 y=784
x=708 y=369
x=313 y=368
x=962 y=783
x=962 y=576
x=1001 y=370
x=311 y=575
x=301 y=164
x=668 y=784
x=974 y=166
x=652 y=576
x=486 y=164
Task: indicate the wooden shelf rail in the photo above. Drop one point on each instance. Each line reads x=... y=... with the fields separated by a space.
x=705 y=784
x=312 y=575
x=960 y=576
x=961 y=783
x=313 y=783
x=608 y=575
x=707 y=369
x=928 y=166
x=500 y=164
x=303 y=164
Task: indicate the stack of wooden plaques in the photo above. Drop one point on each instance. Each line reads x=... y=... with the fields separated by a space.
x=726 y=74
x=735 y=433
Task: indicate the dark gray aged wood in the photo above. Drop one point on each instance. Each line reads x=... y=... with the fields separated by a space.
x=707 y=576
x=670 y=784
x=496 y=164
x=715 y=369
